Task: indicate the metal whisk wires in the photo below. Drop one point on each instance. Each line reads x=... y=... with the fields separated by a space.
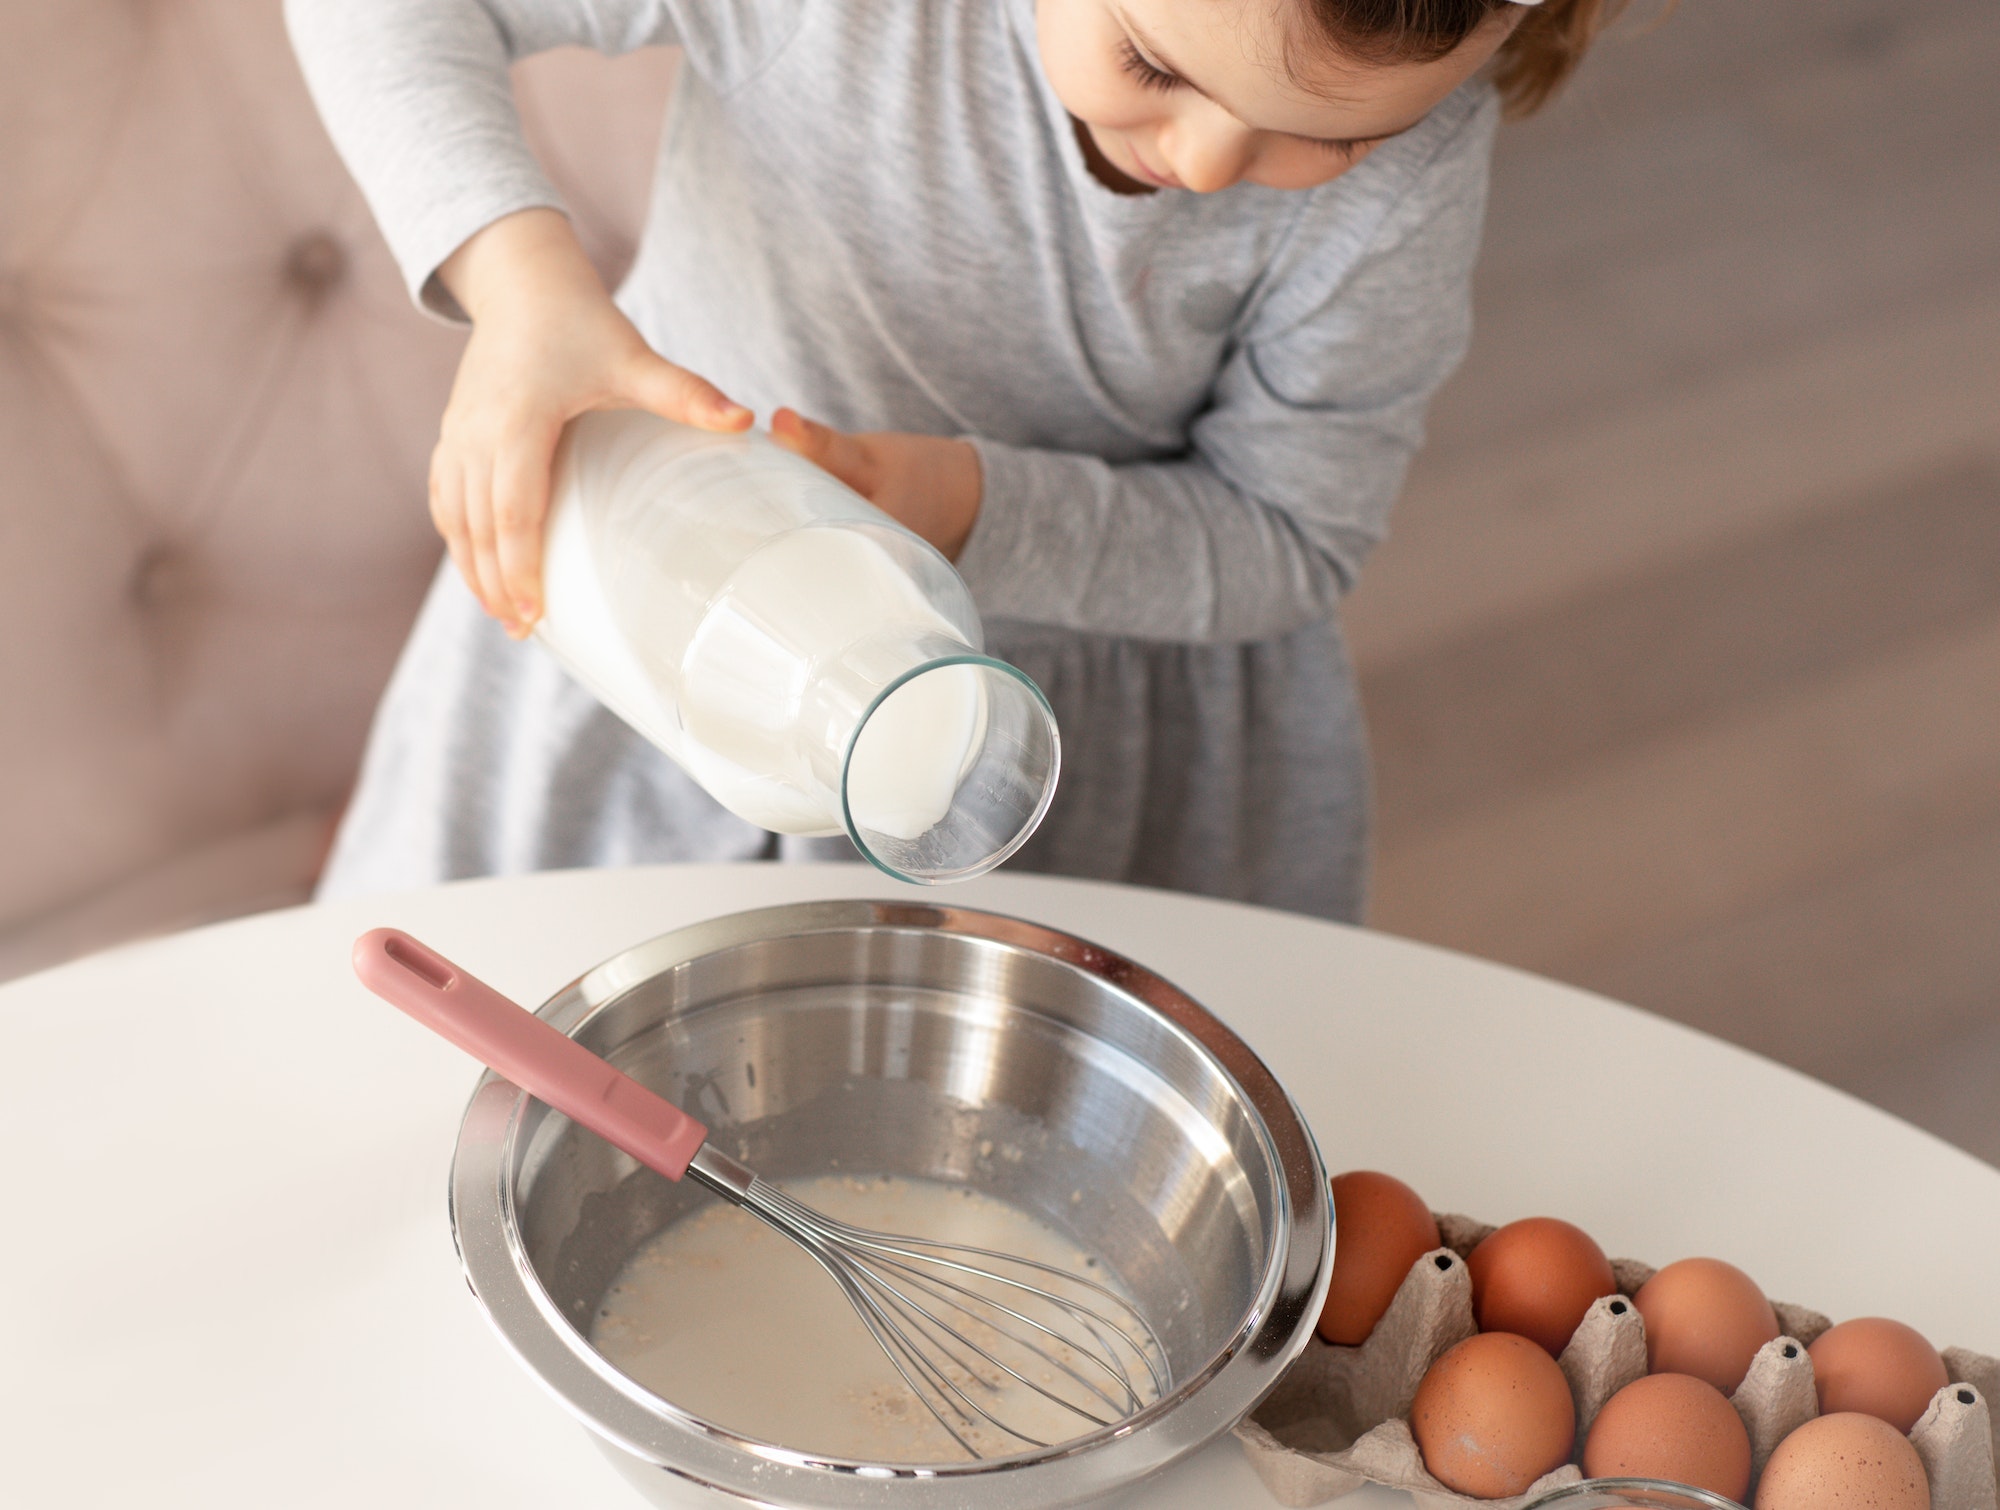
x=1005 y=1352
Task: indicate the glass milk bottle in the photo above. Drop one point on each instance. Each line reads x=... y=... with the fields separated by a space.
x=813 y=664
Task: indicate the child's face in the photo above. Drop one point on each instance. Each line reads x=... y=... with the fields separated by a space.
x=1195 y=94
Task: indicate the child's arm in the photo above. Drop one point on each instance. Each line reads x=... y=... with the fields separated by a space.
x=1286 y=483
x=418 y=100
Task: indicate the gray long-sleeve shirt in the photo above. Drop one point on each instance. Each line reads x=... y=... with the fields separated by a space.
x=1192 y=411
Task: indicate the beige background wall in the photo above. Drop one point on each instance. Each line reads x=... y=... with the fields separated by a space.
x=1684 y=662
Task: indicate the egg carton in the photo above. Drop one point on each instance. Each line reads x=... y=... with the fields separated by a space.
x=1340 y=1416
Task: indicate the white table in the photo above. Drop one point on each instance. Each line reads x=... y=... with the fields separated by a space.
x=227 y=1279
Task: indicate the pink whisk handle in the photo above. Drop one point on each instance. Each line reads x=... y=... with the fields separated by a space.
x=516 y=1044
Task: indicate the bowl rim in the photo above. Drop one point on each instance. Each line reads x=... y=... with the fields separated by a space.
x=1691 y=1494
x=1268 y=1336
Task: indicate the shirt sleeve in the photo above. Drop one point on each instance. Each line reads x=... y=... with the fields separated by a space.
x=1291 y=469
x=417 y=97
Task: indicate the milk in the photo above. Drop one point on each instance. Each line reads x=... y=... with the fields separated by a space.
x=746 y=676
x=726 y=1318
x=910 y=757
x=809 y=661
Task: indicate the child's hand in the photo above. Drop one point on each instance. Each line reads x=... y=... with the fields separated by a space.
x=928 y=484
x=547 y=344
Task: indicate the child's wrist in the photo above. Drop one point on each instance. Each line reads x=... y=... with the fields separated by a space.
x=529 y=251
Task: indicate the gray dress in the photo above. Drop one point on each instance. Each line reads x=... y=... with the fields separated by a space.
x=1192 y=411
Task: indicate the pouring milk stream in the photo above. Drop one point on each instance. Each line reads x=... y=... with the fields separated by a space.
x=812 y=663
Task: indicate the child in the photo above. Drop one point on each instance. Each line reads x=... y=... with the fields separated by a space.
x=1131 y=307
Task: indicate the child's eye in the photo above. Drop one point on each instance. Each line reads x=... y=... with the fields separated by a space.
x=1337 y=148
x=1130 y=59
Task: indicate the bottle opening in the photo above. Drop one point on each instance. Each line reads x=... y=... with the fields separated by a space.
x=951 y=769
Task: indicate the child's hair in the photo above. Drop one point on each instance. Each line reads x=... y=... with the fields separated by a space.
x=1532 y=63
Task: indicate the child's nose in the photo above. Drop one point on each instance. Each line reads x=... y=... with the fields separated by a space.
x=1208 y=149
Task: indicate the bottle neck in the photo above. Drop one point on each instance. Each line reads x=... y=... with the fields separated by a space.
x=949 y=758
x=847 y=688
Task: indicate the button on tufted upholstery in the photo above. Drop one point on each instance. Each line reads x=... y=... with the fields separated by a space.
x=216 y=410
x=315 y=262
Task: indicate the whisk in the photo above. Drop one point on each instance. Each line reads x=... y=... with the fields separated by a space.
x=1005 y=1352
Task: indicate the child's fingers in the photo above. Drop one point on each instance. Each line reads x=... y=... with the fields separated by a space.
x=520 y=506
x=675 y=393
x=847 y=457
x=480 y=536
x=447 y=502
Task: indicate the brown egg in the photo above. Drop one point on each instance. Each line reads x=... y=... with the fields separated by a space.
x=1493 y=1415
x=1878 y=1367
x=1671 y=1426
x=1380 y=1228
x=1704 y=1317
x=1536 y=1278
x=1844 y=1462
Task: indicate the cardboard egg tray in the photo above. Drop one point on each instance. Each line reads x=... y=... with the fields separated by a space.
x=1340 y=1417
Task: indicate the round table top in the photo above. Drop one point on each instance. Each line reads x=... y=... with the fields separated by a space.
x=229 y=1279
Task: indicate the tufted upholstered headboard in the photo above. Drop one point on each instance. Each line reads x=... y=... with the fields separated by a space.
x=216 y=411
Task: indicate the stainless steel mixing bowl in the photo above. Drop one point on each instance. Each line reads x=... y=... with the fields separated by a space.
x=925 y=1041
